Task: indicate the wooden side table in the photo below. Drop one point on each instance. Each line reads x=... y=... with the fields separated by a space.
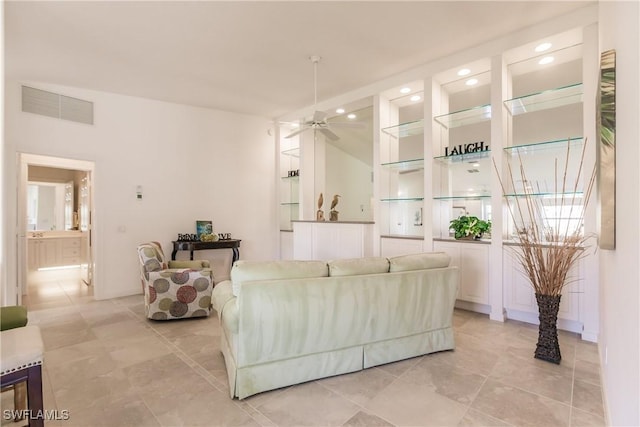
x=233 y=244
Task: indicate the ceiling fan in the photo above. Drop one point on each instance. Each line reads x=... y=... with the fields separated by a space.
x=319 y=119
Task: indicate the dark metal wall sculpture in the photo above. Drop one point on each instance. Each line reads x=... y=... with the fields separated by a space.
x=607 y=150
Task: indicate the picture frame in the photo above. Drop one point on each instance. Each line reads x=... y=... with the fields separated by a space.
x=203 y=227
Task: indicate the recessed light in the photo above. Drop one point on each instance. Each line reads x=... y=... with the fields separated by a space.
x=415 y=98
x=471 y=82
x=546 y=60
x=542 y=47
x=464 y=72
x=476 y=164
x=351 y=116
x=340 y=110
x=405 y=90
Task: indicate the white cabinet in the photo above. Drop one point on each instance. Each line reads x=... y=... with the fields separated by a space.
x=42 y=253
x=314 y=240
x=473 y=261
x=54 y=252
x=520 y=299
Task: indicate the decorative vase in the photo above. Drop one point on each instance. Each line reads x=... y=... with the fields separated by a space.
x=548 y=347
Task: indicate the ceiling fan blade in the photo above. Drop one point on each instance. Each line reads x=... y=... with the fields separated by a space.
x=319 y=116
x=332 y=136
x=299 y=131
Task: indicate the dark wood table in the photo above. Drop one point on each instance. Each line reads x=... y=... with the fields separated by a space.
x=233 y=244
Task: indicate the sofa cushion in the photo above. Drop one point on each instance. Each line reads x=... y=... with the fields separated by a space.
x=358 y=266
x=245 y=271
x=419 y=261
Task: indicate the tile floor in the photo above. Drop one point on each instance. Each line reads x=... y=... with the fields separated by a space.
x=109 y=366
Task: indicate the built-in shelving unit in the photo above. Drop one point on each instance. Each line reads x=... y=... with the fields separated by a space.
x=289 y=185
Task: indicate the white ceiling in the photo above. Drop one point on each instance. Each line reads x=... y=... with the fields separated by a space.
x=247 y=57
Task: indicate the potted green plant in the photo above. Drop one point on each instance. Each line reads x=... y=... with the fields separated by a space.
x=469 y=227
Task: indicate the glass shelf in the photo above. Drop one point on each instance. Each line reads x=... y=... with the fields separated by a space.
x=290 y=177
x=407 y=199
x=465 y=117
x=289 y=204
x=293 y=152
x=405 y=165
x=405 y=129
x=549 y=195
x=460 y=158
x=545 y=148
x=547 y=99
x=469 y=197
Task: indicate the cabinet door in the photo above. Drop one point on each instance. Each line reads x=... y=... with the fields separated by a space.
x=48 y=253
x=520 y=296
x=32 y=254
x=473 y=261
x=474 y=282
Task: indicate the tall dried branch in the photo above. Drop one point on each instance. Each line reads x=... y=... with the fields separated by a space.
x=545 y=252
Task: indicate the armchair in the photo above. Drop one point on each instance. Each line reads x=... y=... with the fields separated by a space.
x=174 y=289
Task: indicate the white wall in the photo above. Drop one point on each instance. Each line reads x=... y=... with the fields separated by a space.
x=351 y=179
x=620 y=268
x=192 y=163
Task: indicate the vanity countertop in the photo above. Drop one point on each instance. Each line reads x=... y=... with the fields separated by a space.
x=55 y=234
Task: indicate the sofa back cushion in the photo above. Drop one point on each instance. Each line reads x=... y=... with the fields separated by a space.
x=245 y=271
x=421 y=261
x=358 y=266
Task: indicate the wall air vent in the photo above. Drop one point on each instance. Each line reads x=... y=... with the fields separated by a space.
x=51 y=104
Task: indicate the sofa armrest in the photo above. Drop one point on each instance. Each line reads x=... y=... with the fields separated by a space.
x=222 y=294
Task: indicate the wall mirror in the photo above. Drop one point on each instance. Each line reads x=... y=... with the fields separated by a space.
x=50 y=206
x=53 y=198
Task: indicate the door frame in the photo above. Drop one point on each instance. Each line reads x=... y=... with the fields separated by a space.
x=24 y=161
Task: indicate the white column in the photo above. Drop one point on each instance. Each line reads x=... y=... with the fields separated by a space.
x=499 y=119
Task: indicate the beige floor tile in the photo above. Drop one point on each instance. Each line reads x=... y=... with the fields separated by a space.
x=473 y=354
x=363 y=419
x=308 y=404
x=455 y=382
x=398 y=368
x=358 y=387
x=588 y=372
x=581 y=418
x=552 y=381
x=588 y=397
x=415 y=404
x=519 y=407
x=475 y=418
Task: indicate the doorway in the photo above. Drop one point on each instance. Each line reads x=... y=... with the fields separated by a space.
x=56 y=258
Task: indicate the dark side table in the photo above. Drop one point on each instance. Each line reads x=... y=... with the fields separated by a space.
x=233 y=244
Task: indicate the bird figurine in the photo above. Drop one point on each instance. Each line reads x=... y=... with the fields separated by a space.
x=320 y=212
x=333 y=213
x=334 y=202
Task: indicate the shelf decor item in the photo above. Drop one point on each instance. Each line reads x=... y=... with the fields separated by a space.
x=320 y=212
x=606 y=122
x=203 y=227
x=333 y=213
x=548 y=248
x=467 y=227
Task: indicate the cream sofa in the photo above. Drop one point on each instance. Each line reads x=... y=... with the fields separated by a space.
x=287 y=322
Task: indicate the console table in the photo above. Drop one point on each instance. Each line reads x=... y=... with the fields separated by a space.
x=233 y=244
